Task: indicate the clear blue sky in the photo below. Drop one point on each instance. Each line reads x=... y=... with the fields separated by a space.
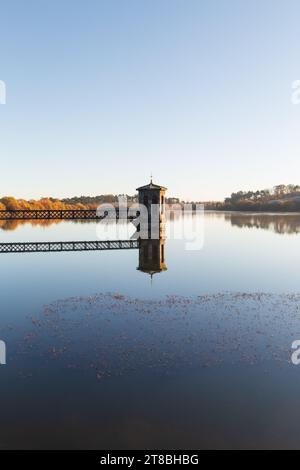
x=100 y=93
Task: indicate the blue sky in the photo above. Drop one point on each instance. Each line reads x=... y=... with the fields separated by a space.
x=100 y=93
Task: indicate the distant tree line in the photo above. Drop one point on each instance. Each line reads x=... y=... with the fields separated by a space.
x=284 y=198
x=10 y=203
x=95 y=201
x=281 y=198
x=79 y=203
x=76 y=202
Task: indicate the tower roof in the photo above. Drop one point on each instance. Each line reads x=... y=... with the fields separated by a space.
x=151 y=185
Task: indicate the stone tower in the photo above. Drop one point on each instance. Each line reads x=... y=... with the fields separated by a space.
x=152 y=196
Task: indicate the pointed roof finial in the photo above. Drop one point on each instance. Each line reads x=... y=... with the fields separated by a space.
x=151 y=178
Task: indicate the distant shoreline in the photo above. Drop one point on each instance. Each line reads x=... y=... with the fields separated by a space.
x=258 y=212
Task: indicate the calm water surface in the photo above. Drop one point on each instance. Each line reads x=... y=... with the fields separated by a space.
x=99 y=355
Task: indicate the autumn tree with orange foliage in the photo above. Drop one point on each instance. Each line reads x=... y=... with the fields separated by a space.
x=12 y=204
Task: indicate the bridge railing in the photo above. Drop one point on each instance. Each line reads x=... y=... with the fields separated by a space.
x=88 y=214
x=48 y=214
x=43 y=247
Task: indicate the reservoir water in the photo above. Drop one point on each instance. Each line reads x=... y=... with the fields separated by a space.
x=101 y=355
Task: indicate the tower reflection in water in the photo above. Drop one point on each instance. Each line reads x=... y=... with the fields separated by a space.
x=152 y=256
